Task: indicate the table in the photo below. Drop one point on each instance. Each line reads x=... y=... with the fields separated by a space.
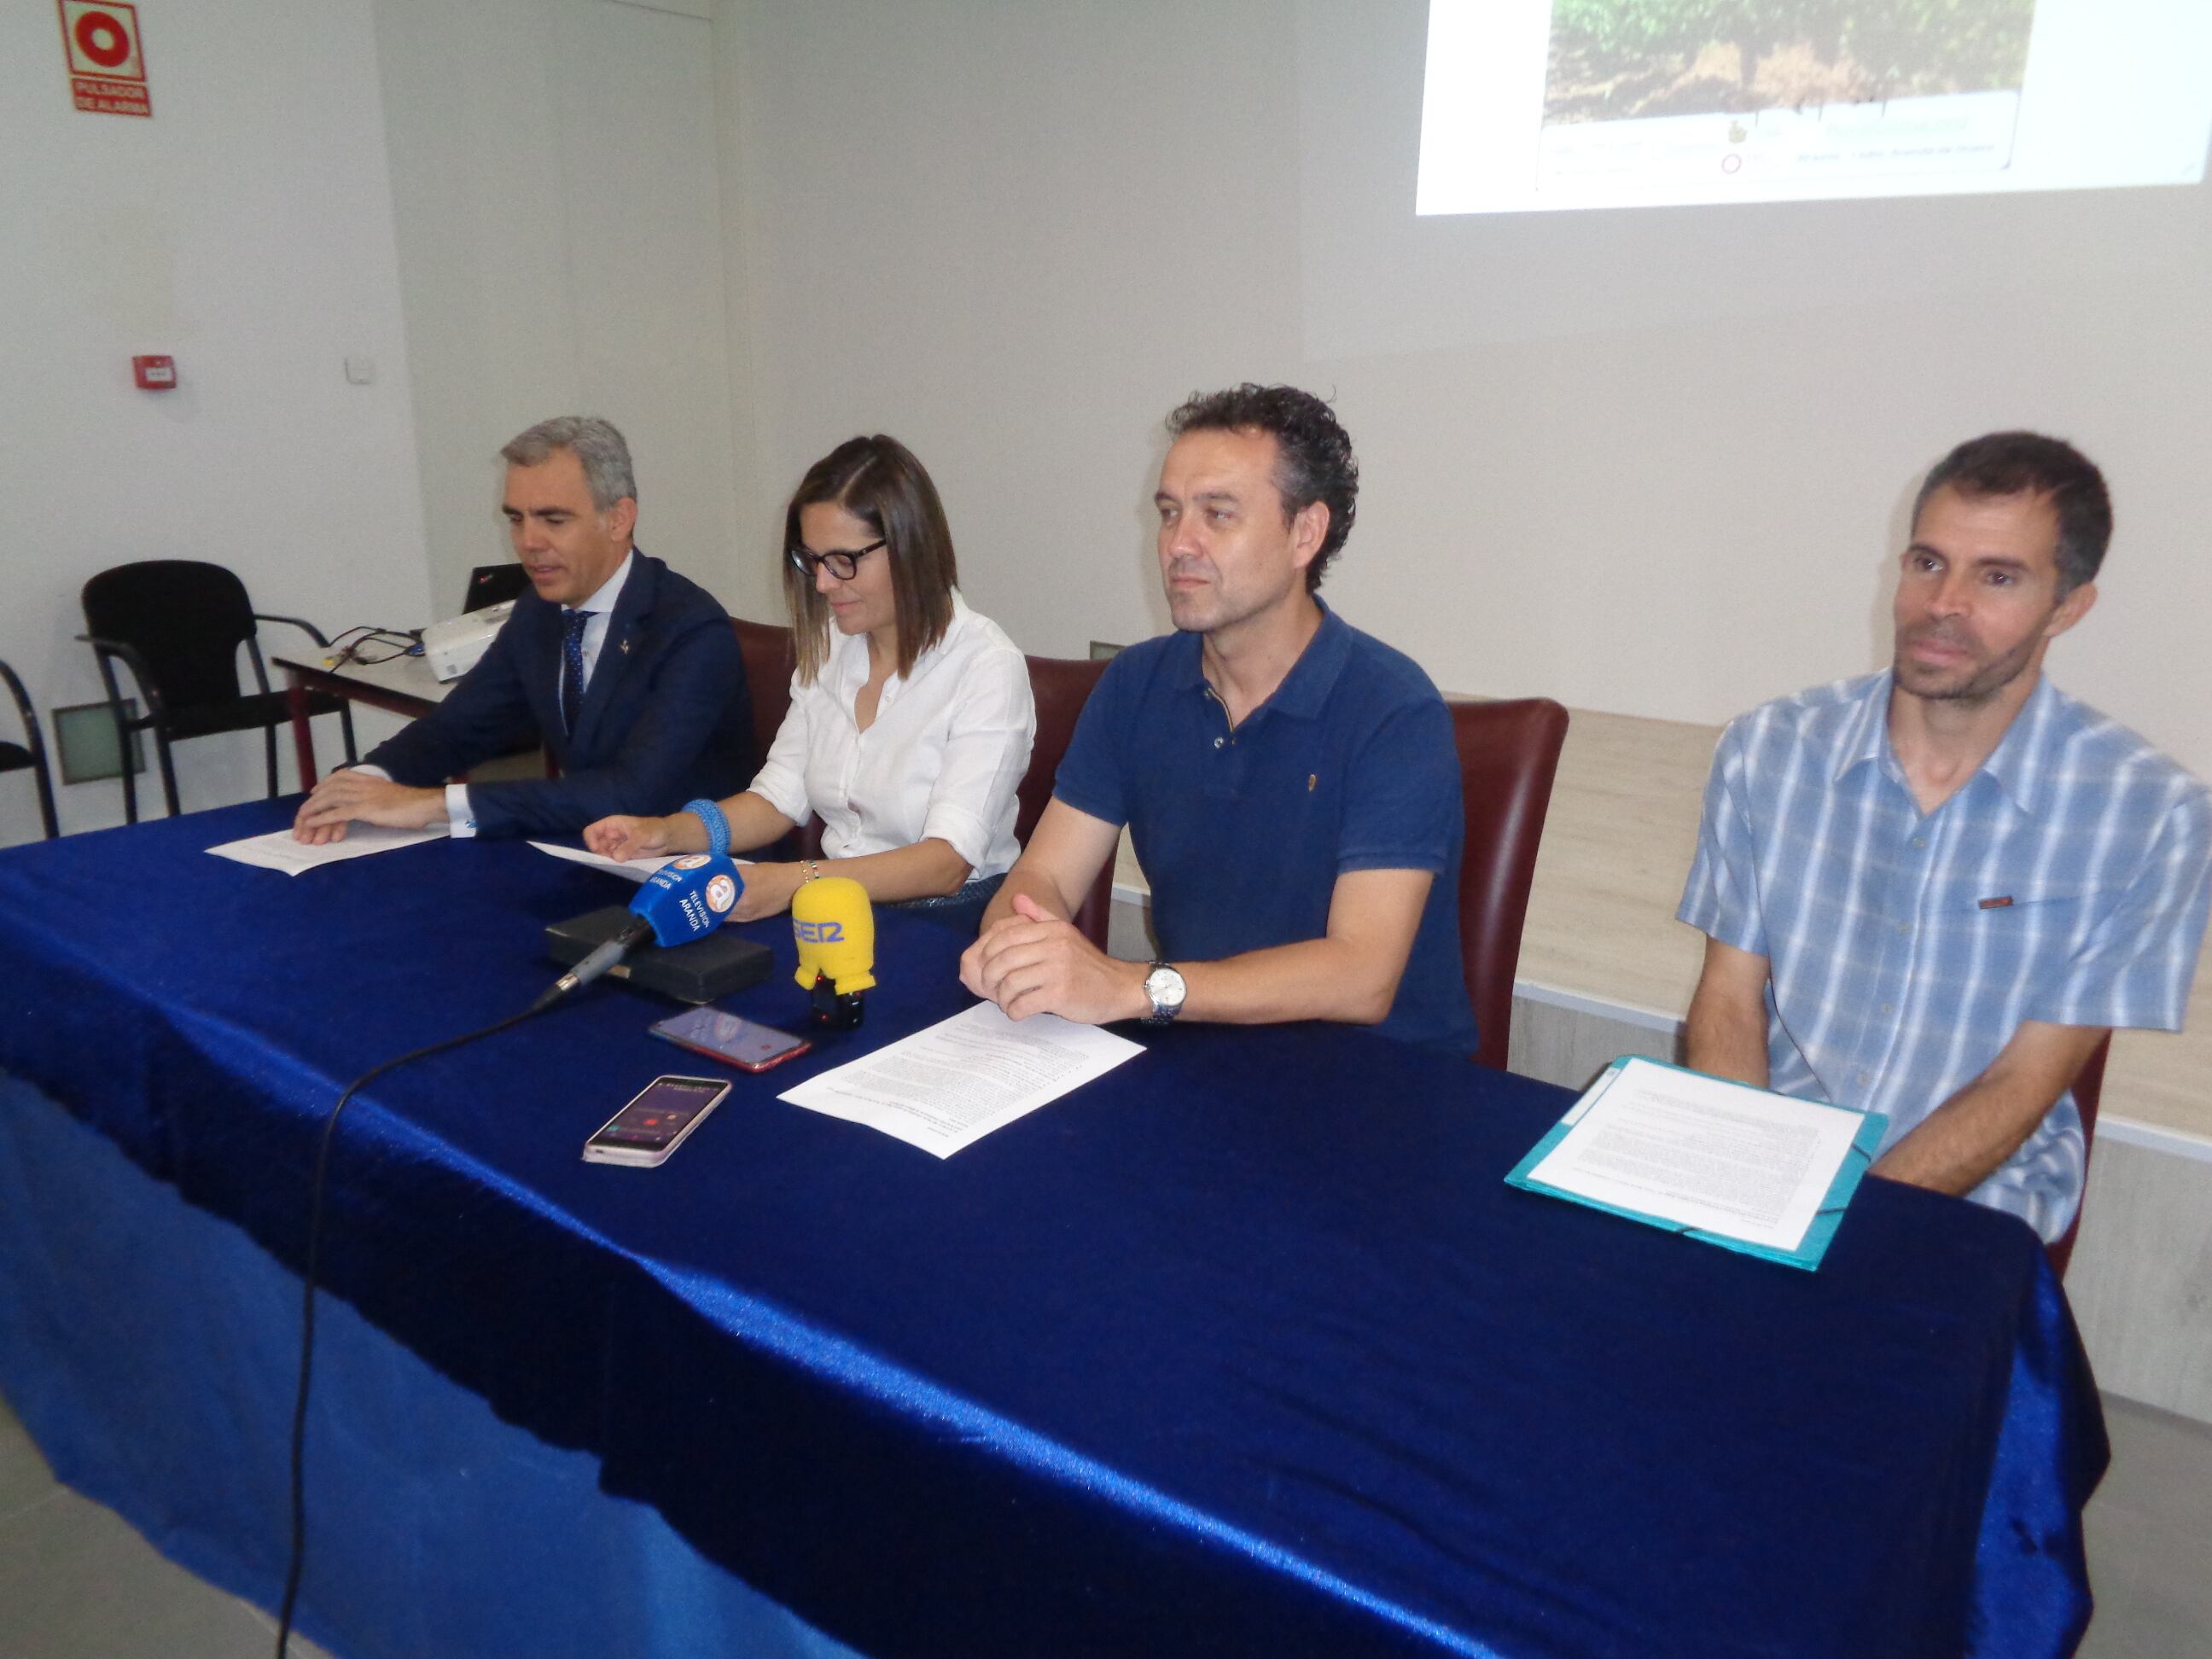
x=402 y=684
x=1245 y=1348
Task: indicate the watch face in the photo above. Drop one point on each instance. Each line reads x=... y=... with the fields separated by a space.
x=1165 y=986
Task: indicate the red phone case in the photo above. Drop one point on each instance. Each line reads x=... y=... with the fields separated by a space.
x=801 y=1045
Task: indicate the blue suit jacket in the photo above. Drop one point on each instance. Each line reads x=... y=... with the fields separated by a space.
x=664 y=720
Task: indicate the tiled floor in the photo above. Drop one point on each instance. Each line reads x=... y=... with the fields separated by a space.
x=2150 y=1538
x=75 y=1583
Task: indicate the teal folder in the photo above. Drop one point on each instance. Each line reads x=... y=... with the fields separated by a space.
x=1822 y=1228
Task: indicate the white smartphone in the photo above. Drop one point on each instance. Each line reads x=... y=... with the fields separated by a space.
x=654 y=1124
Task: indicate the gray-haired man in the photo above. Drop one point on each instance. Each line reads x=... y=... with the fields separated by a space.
x=628 y=674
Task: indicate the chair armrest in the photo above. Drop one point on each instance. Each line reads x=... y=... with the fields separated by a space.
x=108 y=653
x=33 y=739
x=300 y=623
x=23 y=701
x=35 y=742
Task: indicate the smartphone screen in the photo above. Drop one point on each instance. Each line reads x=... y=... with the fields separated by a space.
x=657 y=1119
x=733 y=1037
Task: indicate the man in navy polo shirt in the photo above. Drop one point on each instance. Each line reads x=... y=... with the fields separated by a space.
x=1290 y=784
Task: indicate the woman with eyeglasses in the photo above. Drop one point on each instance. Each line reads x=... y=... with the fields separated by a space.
x=911 y=716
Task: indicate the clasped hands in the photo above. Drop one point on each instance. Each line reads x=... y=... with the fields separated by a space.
x=1033 y=962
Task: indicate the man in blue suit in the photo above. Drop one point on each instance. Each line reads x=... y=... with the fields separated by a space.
x=628 y=673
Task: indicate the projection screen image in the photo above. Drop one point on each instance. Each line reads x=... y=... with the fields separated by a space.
x=1610 y=103
x=1621 y=60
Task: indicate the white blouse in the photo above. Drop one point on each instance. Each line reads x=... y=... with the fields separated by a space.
x=944 y=757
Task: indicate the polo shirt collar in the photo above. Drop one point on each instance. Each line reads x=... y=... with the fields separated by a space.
x=1189 y=662
x=1304 y=690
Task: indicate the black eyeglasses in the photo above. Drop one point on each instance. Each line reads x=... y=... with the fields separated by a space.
x=843 y=565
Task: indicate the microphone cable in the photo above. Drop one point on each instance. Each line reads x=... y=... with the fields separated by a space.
x=297 y=1564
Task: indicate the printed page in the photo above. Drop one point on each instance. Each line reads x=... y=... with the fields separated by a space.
x=277 y=850
x=949 y=1086
x=1720 y=1156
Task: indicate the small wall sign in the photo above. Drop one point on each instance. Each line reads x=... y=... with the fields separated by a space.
x=106 y=65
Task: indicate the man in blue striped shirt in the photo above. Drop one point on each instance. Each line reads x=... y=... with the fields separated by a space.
x=1931 y=892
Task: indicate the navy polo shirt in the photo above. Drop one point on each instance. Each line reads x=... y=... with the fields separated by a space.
x=1350 y=765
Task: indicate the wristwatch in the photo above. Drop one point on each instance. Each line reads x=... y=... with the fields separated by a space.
x=1166 y=990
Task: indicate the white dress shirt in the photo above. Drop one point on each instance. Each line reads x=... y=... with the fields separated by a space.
x=460 y=822
x=947 y=750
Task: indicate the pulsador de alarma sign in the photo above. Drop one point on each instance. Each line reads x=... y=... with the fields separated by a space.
x=107 y=66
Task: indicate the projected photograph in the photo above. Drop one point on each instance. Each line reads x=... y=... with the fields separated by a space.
x=1624 y=60
x=1534 y=106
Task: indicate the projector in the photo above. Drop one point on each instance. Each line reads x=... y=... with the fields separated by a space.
x=451 y=648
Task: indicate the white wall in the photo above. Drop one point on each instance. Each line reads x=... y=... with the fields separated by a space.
x=1013 y=237
x=543 y=236
x=555 y=182
x=1652 y=462
x=247 y=230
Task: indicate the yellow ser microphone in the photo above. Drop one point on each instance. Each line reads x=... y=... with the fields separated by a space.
x=836 y=928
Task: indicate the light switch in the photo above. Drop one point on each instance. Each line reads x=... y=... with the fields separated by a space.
x=361 y=370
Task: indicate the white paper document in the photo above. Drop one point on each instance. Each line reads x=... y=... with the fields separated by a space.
x=634 y=870
x=277 y=850
x=950 y=1086
x=1720 y=1156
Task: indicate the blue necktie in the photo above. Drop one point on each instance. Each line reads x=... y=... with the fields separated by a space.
x=572 y=666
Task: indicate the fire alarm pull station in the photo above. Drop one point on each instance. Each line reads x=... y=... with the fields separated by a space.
x=155 y=374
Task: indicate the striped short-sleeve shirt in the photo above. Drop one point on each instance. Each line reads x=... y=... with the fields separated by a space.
x=2066 y=881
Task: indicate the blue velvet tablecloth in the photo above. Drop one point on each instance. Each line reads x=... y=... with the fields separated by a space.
x=435 y=1530
x=1244 y=1348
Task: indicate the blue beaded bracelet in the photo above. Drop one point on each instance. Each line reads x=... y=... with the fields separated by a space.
x=718 y=827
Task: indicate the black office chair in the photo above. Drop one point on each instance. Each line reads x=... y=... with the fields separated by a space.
x=177 y=625
x=29 y=756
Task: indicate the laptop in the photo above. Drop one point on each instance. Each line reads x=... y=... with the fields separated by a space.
x=494 y=584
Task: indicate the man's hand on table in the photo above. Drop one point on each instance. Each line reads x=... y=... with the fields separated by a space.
x=1033 y=962
x=345 y=796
